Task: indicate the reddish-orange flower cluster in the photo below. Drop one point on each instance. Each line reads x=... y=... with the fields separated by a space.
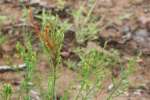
x=49 y=43
x=35 y=24
x=43 y=35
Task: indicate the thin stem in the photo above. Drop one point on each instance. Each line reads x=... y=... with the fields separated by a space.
x=89 y=13
x=54 y=82
x=94 y=86
x=114 y=90
x=89 y=91
x=80 y=91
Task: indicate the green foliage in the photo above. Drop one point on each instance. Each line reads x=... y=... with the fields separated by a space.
x=27 y=98
x=85 y=25
x=121 y=85
x=61 y=3
x=25 y=14
x=2 y=19
x=2 y=39
x=6 y=92
x=50 y=91
x=88 y=32
x=56 y=29
x=29 y=57
x=94 y=64
x=56 y=36
x=65 y=96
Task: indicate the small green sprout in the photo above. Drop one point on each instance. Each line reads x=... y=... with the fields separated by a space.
x=2 y=39
x=7 y=92
x=85 y=24
x=29 y=58
x=3 y=18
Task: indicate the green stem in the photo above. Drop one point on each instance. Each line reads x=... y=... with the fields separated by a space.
x=90 y=90
x=114 y=90
x=54 y=79
x=54 y=84
x=89 y=13
x=80 y=91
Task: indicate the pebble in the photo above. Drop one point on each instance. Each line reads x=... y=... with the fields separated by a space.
x=141 y=33
x=142 y=38
x=110 y=87
x=136 y=2
x=40 y=2
x=34 y=95
x=144 y=20
x=138 y=92
x=106 y=3
x=126 y=29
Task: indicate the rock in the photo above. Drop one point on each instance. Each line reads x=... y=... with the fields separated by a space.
x=110 y=32
x=136 y=2
x=34 y=95
x=142 y=38
x=141 y=33
x=126 y=29
x=144 y=22
x=138 y=92
x=106 y=3
x=34 y=1
x=125 y=38
x=39 y=2
x=110 y=87
x=127 y=34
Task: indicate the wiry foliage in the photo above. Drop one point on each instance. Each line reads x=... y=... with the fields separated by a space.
x=29 y=57
x=6 y=92
x=52 y=37
x=85 y=24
